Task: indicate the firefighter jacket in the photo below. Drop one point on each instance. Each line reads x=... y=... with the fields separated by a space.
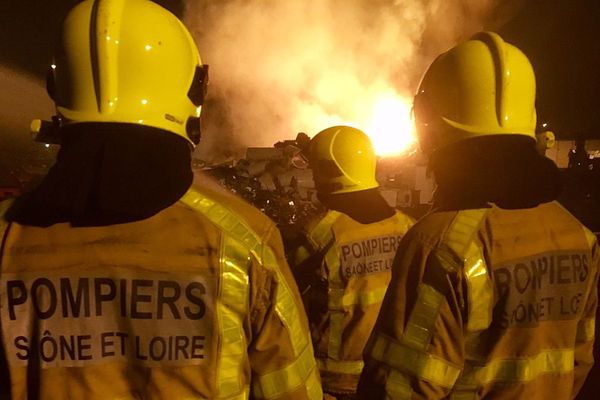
x=195 y=302
x=487 y=303
x=348 y=266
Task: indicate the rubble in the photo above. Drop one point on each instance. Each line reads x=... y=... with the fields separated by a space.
x=276 y=180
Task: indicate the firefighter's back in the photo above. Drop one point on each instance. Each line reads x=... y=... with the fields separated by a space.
x=493 y=294
x=359 y=268
x=344 y=265
x=541 y=319
x=179 y=305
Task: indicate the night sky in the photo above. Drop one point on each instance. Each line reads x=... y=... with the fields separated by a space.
x=562 y=40
x=561 y=37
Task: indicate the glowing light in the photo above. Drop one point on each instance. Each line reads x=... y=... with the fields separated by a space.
x=53 y=66
x=140 y=121
x=144 y=101
x=46 y=145
x=382 y=114
x=390 y=125
x=148 y=47
x=544 y=125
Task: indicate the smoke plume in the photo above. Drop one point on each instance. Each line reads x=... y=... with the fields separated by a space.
x=22 y=98
x=283 y=66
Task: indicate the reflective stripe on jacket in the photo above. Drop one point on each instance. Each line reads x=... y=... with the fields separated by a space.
x=354 y=271
x=195 y=302
x=487 y=303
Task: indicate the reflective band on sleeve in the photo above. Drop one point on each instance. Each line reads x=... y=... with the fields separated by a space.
x=321 y=234
x=586 y=329
x=481 y=290
x=313 y=386
x=336 y=292
x=461 y=241
x=463 y=230
x=357 y=299
x=397 y=386
x=419 y=328
x=278 y=383
x=522 y=369
x=231 y=307
x=341 y=367
x=332 y=259
x=418 y=363
x=285 y=307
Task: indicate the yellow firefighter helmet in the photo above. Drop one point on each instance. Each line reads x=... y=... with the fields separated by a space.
x=545 y=141
x=481 y=87
x=128 y=61
x=343 y=160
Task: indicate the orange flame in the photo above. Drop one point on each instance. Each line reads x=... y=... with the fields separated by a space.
x=384 y=115
x=390 y=125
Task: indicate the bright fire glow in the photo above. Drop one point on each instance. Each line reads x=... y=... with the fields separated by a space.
x=384 y=115
x=390 y=125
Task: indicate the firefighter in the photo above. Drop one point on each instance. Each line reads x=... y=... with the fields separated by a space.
x=344 y=265
x=493 y=293
x=120 y=278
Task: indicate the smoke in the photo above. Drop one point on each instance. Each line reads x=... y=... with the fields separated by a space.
x=283 y=66
x=23 y=97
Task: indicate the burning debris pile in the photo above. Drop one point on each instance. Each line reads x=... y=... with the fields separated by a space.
x=276 y=180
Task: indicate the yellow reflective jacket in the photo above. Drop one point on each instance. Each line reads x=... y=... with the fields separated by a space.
x=196 y=302
x=487 y=303
x=351 y=271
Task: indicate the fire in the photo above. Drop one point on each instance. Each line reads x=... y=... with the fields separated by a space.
x=384 y=115
x=390 y=125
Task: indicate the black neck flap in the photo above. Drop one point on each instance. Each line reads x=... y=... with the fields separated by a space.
x=106 y=174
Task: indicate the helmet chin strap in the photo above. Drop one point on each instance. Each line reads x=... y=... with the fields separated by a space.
x=197 y=95
x=193 y=129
